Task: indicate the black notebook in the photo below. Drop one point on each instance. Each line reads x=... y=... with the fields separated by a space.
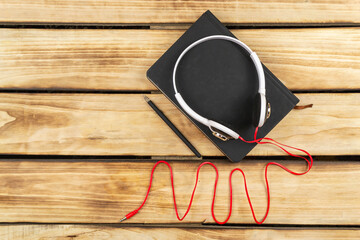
x=218 y=80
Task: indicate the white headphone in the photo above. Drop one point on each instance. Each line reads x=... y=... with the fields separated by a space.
x=263 y=108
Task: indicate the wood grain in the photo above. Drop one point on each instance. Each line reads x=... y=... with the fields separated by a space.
x=81 y=232
x=123 y=124
x=156 y=11
x=304 y=59
x=103 y=192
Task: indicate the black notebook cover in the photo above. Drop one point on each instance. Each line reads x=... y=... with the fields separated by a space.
x=218 y=80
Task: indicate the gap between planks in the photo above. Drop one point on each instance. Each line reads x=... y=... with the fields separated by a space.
x=50 y=232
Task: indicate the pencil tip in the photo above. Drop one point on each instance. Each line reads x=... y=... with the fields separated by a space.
x=146 y=98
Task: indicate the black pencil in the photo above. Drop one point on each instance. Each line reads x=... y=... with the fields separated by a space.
x=172 y=126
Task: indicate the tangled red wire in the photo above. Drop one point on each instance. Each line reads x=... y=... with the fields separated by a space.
x=269 y=141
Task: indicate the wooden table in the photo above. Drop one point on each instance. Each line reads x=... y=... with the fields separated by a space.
x=78 y=141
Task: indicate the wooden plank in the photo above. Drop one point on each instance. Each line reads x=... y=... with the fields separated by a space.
x=103 y=192
x=58 y=232
x=304 y=59
x=123 y=124
x=156 y=11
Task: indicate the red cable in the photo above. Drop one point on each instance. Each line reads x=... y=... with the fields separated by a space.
x=270 y=141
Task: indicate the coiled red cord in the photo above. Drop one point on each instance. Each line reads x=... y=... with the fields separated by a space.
x=269 y=141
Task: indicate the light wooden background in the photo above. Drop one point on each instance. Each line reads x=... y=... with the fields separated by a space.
x=77 y=140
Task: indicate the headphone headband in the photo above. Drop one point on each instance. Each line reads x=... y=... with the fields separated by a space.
x=212 y=124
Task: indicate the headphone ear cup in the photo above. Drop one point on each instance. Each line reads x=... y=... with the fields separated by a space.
x=256 y=110
x=267 y=111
